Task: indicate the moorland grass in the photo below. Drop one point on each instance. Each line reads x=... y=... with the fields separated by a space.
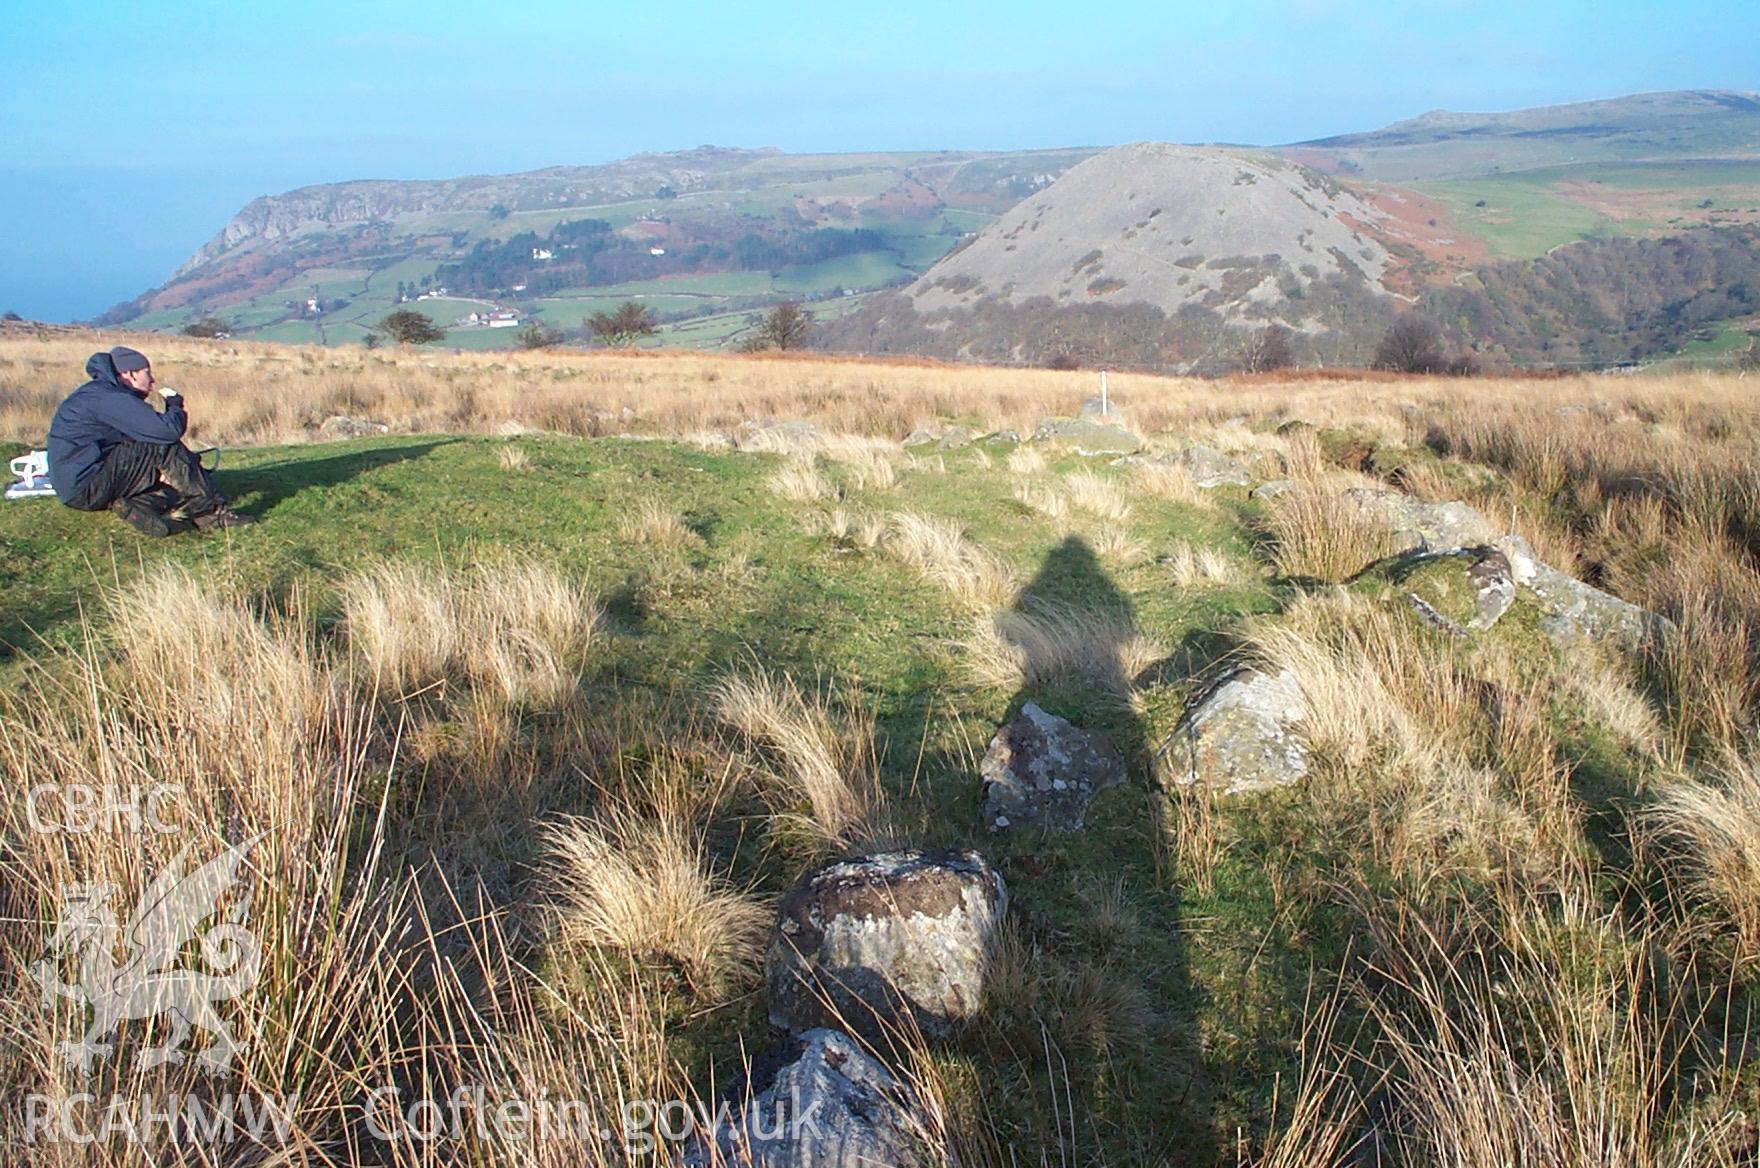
x=505 y=725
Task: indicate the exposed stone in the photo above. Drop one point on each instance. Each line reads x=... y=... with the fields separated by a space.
x=339 y=426
x=1004 y=438
x=1428 y=613
x=1042 y=771
x=872 y=942
x=1293 y=427
x=1272 y=489
x=1424 y=527
x=1462 y=591
x=1239 y=735
x=956 y=438
x=1572 y=609
x=825 y=1103
x=780 y=437
x=1109 y=414
x=1087 y=437
x=1494 y=586
x=919 y=438
x=1211 y=468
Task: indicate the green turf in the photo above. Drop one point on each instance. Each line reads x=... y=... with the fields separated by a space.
x=764 y=585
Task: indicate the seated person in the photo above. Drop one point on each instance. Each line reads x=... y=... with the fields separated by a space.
x=109 y=448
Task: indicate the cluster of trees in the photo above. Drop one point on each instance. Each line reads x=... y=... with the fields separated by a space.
x=786 y=326
x=209 y=327
x=1605 y=301
x=585 y=253
x=1598 y=302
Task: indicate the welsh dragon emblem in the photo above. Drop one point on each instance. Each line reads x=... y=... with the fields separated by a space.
x=148 y=983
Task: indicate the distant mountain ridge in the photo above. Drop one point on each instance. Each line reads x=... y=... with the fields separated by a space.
x=913 y=251
x=331 y=205
x=1441 y=144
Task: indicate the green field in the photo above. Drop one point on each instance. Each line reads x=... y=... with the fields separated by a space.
x=1519 y=216
x=1526 y=214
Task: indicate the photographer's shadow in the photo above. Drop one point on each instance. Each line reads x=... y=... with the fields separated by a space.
x=1082 y=658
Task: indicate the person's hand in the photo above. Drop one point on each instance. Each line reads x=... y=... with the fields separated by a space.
x=171 y=396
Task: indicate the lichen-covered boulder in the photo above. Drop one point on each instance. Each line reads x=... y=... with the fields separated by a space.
x=1571 y=609
x=1082 y=436
x=823 y=1102
x=868 y=943
x=1240 y=735
x=1042 y=771
x=918 y=438
x=956 y=438
x=1003 y=438
x=1272 y=489
x=1424 y=527
x=1107 y=412
x=1463 y=591
x=1210 y=468
x=790 y=437
x=341 y=426
x=1494 y=586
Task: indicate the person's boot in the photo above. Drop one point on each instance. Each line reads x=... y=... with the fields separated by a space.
x=142 y=517
x=222 y=517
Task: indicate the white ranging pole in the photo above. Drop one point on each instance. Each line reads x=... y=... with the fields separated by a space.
x=1105 y=410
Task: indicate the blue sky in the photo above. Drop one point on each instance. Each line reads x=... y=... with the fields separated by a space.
x=133 y=131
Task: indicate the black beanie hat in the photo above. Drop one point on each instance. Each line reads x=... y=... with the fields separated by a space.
x=127 y=360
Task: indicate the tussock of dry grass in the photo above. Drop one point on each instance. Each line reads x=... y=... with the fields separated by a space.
x=801 y=481
x=1407 y=743
x=827 y=778
x=513 y=459
x=1118 y=547
x=1543 y=1038
x=939 y=550
x=645 y=886
x=237 y=680
x=1024 y=647
x=872 y=471
x=516 y=629
x=1098 y=496
x=1025 y=460
x=854 y=529
x=1610 y=698
x=1169 y=481
x=1712 y=828
x=1202 y=567
x=653 y=522
x=1322 y=534
x=1047 y=501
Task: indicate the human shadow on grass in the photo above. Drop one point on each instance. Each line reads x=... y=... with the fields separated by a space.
x=1075 y=632
x=262 y=487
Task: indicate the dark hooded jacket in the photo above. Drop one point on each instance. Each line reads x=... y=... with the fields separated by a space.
x=99 y=415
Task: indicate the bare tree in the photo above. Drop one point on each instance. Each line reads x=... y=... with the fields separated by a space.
x=625 y=326
x=536 y=335
x=1268 y=349
x=1412 y=345
x=784 y=327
